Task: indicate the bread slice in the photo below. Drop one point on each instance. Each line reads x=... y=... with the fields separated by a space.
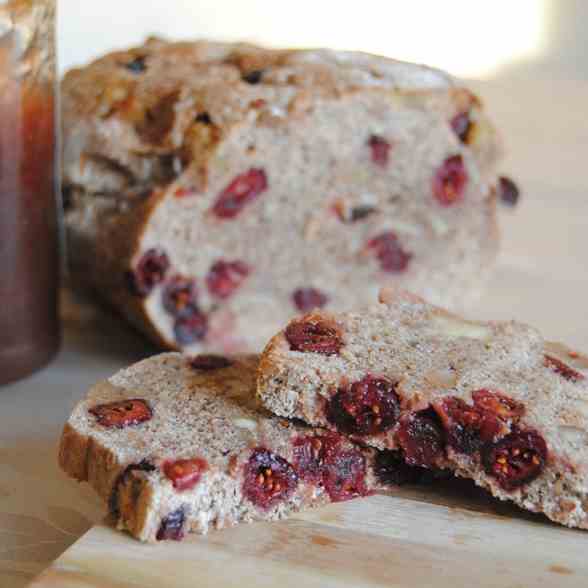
x=491 y=401
x=354 y=170
x=177 y=445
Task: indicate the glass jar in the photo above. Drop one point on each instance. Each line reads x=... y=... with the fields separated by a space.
x=29 y=230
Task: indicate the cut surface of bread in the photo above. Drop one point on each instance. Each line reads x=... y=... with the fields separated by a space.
x=491 y=401
x=177 y=445
x=216 y=190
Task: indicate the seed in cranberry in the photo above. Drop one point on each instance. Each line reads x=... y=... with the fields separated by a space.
x=269 y=479
x=185 y=473
x=149 y=272
x=306 y=299
x=314 y=335
x=421 y=438
x=467 y=427
x=344 y=474
x=208 y=362
x=368 y=407
x=122 y=413
x=253 y=77
x=180 y=296
x=172 y=526
x=380 y=150
x=137 y=65
x=450 y=181
x=392 y=257
x=508 y=191
x=499 y=404
x=224 y=277
x=240 y=192
x=462 y=126
x=564 y=370
x=517 y=459
x=191 y=327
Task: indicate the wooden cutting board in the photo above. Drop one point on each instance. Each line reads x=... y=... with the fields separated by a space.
x=454 y=535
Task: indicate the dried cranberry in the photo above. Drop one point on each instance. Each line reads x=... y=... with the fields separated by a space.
x=185 y=473
x=311 y=334
x=516 y=459
x=253 y=77
x=344 y=474
x=564 y=370
x=224 y=277
x=137 y=65
x=380 y=150
x=191 y=327
x=310 y=454
x=180 y=296
x=149 y=272
x=269 y=478
x=421 y=438
x=462 y=126
x=122 y=413
x=368 y=407
x=241 y=191
x=499 y=404
x=172 y=526
x=467 y=427
x=450 y=181
x=123 y=477
x=508 y=190
x=207 y=362
x=306 y=299
x=390 y=254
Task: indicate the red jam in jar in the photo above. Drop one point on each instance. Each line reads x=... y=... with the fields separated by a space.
x=29 y=228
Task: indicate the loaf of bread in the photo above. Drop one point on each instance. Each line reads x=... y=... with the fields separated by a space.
x=213 y=190
x=492 y=401
x=177 y=445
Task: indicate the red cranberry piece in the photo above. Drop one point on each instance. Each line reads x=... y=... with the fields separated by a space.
x=467 y=427
x=380 y=150
x=185 y=473
x=224 y=277
x=172 y=526
x=508 y=190
x=122 y=413
x=392 y=257
x=306 y=299
x=369 y=407
x=450 y=181
x=206 y=362
x=311 y=334
x=462 y=126
x=269 y=479
x=564 y=370
x=499 y=404
x=344 y=474
x=149 y=272
x=191 y=327
x=421 y=438
x=516 y=459
x=180 y=296
x=240 y=192
x=310 y=454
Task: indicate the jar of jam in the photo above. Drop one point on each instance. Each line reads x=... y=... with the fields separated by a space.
x=29 y=228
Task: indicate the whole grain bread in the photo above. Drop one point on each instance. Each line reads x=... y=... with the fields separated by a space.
x=491 y=401
x=215 y=190
x=177 y=445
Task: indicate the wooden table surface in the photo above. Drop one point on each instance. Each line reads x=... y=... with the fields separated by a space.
x=542 y=278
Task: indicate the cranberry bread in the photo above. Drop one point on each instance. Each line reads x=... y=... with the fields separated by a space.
x=177 y=445
x=491 y=401
x=215 y=190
